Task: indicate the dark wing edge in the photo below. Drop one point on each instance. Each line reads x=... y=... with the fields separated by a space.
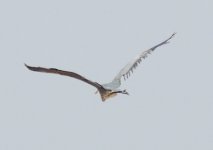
x=65 y=73
x=162 y=43
x=128 y=69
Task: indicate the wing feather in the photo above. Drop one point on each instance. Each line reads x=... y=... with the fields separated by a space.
x=128 y=69
x=65 y=73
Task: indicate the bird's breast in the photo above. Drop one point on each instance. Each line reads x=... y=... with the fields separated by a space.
x=108 y=94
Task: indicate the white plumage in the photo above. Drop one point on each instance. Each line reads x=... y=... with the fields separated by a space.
x=109 y=89
x=129 y=68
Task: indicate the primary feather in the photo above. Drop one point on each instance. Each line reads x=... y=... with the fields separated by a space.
x=110 y=89
x=128 y=69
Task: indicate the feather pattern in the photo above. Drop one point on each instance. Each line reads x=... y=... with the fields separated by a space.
x=129 y=68
x=109 y=89
x=65 y=73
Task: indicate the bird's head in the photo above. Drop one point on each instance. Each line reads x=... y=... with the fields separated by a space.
x=124 y=92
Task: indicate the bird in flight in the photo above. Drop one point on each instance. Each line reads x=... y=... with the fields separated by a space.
x=110 y=89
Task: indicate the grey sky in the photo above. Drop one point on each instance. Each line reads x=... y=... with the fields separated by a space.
x=171 y=101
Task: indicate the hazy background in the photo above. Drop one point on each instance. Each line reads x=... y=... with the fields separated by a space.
x=170 y=106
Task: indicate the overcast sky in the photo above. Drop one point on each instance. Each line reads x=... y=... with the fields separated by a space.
x=170 y=106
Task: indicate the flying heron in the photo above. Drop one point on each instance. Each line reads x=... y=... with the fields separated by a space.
x=110 y=89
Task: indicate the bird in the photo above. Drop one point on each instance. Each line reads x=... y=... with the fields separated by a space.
x=110 y=89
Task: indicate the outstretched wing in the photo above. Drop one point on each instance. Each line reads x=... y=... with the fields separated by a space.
x=65 y=73
x=125 y=72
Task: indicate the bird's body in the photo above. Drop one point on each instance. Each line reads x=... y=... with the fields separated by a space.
x=107 y=90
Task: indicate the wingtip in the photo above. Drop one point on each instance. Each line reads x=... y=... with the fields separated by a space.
x=174 y=34
x=26 y=66
x=171 y=37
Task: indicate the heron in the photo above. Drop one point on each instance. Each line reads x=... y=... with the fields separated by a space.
x=110 y=89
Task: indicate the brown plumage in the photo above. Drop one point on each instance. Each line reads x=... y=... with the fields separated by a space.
x=109 y=89
x=105 y=93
